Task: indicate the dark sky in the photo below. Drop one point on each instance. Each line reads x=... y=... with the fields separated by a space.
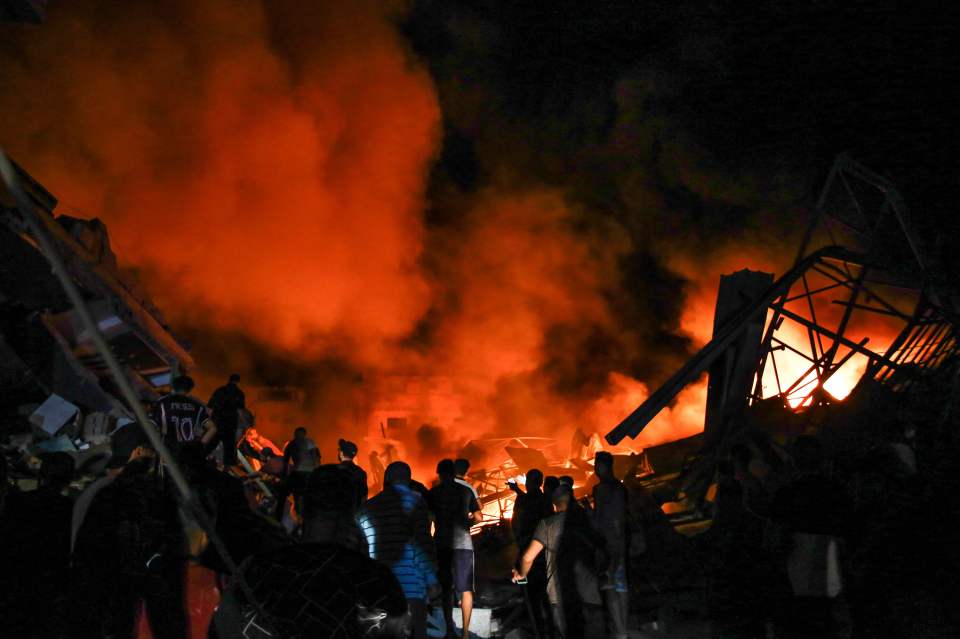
x=762 y=89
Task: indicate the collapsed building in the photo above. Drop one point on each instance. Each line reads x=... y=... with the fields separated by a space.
x=862 y=301
x=56 y=393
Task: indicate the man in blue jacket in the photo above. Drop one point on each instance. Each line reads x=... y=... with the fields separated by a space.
x=397 y=527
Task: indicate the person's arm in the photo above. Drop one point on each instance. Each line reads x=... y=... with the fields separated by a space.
x=474 y=509
x=526 y=562
x=287 y=454
x=208 y=425
x=425 y=552
x=512 y=485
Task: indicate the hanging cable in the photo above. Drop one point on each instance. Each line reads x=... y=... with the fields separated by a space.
x=190 y=504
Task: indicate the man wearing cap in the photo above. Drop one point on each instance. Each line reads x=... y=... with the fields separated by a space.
x=346 y=451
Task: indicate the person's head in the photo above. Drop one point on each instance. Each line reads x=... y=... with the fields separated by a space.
x=182 y=384
x=566 y=480
x=397 y=472
x=461 y=466
x=346 y=450
x=807 y=453
x=128 y=444
x=561 y=498
x=550 y=484
x=534 y=479
x=56 y=471
x=235 y=378
x=446 y=469
x=374 y=454
x=603 y=465
x=300 y=433
x=329 y=489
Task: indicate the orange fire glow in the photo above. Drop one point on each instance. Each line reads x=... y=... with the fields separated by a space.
x=277 y=190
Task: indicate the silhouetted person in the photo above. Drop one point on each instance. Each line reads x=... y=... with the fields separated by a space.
x=35 y=553
x=127 y=444
x=550 y=484
x=529 y=509
x=566 y=480
x=226 y=404
x=813 y=511
x=376 y=471
x=181 y=417
x=570 y=545
x=300 y=458
x=610 y=520
x=224 y=498
x=740 y=579
x=346 y=452
x=396 y=523
x=454 y=509
x=330 y=508
x=130 y=551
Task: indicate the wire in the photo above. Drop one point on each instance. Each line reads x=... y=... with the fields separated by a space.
x=28 y=212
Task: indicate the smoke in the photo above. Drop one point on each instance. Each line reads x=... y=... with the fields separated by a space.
x=272 y=190
x=451 y=224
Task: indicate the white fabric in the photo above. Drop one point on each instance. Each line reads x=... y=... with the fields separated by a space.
x=814 y=566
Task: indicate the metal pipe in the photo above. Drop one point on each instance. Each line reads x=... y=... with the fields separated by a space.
x=190 y=503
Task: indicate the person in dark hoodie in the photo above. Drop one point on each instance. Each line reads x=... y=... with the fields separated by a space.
x=130 y=551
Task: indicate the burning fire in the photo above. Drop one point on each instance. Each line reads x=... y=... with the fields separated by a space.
x=278 y=216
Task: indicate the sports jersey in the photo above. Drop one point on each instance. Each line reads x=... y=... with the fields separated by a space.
x=180 y=418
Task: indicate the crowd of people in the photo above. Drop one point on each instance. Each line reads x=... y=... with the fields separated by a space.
x=792 y=549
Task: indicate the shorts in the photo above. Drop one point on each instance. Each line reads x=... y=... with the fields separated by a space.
x=456 y=569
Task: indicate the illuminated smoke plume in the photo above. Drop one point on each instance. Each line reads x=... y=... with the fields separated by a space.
x=267 y=177
x=325 y=204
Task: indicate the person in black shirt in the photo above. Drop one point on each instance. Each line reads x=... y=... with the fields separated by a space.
x=346 y=451
x=182 y=418
x=454 y=507
x=226 y=404
x=130 y=551
x=610 y=520
x=529 y=509
x=815 y=515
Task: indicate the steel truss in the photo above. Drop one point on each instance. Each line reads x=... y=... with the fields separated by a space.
x=871 y=311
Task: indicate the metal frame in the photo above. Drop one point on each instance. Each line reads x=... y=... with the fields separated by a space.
x=875 y=281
